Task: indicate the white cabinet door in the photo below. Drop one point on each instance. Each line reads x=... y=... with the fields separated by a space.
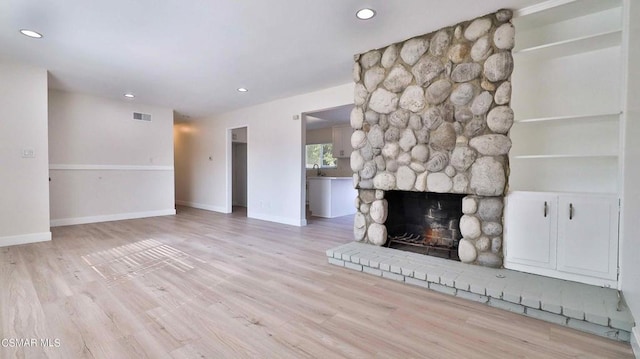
x=588 y=235
x=531 y=229
x=336 y=139
x=346 y=142
x=341 y=137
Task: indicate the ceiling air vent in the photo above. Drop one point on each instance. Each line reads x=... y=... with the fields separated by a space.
x=141 y=116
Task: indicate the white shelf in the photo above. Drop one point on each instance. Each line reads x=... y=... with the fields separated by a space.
x=611 y=116
x=589 y=175
x=572 y=46
x=526 y=157
x=555 y=11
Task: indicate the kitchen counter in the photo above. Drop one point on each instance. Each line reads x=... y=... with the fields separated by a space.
x=331 y=197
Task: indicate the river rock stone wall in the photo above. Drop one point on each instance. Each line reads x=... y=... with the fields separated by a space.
x=432 y=114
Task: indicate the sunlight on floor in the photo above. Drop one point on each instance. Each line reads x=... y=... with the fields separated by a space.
x=135 y=259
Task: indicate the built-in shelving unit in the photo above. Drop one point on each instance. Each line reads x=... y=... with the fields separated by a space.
x=567 y=90
x=567 y=96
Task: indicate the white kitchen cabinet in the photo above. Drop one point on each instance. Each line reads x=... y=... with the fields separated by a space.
x=331 y=197
x=561 y=235
x=341 y=136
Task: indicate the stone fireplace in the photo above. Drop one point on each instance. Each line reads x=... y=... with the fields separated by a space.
x=432 y=117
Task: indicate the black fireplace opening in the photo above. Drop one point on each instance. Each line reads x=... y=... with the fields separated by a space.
x=424 y=222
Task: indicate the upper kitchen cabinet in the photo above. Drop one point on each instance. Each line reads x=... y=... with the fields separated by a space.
x=342 y=141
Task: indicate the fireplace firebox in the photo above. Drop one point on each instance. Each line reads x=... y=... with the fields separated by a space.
x=427 y=223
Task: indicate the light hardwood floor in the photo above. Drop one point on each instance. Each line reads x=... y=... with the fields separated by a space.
x=208 y=285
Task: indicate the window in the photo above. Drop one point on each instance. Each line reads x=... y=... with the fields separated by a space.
x=321 y=155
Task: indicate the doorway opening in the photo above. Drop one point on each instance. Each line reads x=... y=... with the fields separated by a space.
x=239 y=170
x=326 y=148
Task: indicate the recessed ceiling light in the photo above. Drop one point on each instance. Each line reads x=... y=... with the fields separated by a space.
x=365 y=14
x=242 y=89
x=129 y=95
x=31 y=33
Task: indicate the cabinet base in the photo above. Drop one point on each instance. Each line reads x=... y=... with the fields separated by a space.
x=552 y=273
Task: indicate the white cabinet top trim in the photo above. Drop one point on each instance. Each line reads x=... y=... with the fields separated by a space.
x=538 y=193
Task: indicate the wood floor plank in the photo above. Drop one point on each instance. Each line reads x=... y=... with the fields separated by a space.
x=207 y=285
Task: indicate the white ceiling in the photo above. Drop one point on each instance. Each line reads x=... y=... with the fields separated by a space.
x=192 y=55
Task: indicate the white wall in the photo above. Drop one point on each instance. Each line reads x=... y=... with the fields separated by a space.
x=630 y=229
x=105 y=165
x=275 y=163
x=24 y=188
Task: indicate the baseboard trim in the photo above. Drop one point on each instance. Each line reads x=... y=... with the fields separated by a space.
x=250 y=214
x=277 y=219
x=206 y=207
x=110 y=217
x=25 y=239
x=635 y=341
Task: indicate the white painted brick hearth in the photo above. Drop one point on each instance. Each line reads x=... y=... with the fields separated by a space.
x=583 y=307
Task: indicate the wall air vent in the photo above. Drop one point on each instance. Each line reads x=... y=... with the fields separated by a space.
x=141 y=116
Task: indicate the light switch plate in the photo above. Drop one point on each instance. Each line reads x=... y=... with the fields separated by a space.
x=28 y=153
